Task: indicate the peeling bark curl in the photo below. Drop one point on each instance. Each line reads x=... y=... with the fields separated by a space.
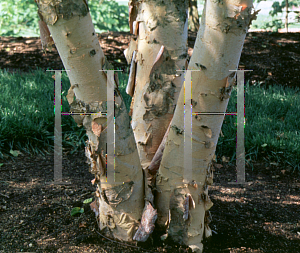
x=147 y=224
x=52 y=10
x=161 y=50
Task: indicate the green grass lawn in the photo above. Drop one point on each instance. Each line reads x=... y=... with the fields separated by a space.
x=272 y=130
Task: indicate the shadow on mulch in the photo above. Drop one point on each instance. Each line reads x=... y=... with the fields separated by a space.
x=261 y=216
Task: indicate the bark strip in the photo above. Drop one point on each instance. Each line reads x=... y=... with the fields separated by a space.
x=155 y=163
x=131 y=80
x=147 y=224
x=46 y=39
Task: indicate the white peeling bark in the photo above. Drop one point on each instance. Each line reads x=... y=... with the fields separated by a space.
x=117 y=207
x=161 y=27
x=154 y=83
x=183 y=207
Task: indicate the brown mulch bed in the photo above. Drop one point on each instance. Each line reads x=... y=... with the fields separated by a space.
x=262 y=216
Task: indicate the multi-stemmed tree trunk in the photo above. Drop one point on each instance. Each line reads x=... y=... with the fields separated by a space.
x=151 y=142
x=193 y=16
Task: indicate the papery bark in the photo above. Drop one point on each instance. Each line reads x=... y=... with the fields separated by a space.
x=118 y=207
x=217 y=51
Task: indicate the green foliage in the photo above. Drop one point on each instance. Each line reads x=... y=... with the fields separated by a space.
x=27 y=119
x=275 y=19
x=87 y=201
x=109 y=16
x=280 y=7
x=76 y=210
x=26 y=113
x=272 y=125
x=274 y=25
x=20 y=18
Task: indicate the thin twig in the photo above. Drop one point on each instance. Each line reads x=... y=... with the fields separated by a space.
x=84 y=194
x=67 y=195
x=4 y=195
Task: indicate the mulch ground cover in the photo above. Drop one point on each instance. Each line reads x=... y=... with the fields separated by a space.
x=260 y=216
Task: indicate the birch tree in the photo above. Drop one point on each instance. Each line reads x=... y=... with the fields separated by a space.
x=183 y=206
x=154 y=140
x=118 y=207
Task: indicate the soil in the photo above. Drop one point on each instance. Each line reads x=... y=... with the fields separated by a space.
x=260 y=216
